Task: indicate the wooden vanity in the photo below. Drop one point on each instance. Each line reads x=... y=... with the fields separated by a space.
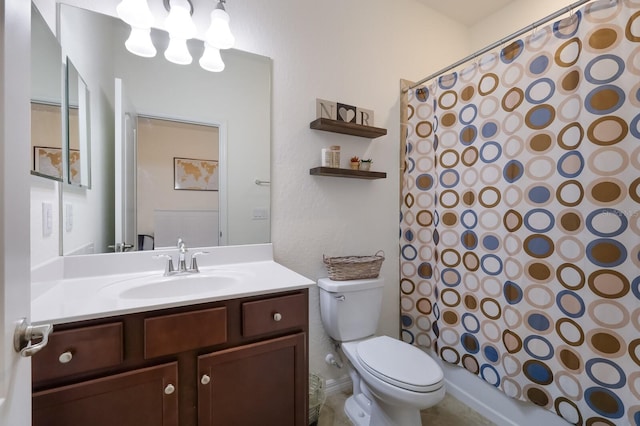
x=241 y=361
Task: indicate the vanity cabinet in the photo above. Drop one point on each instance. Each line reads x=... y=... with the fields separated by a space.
x=241 y=361
x=145 y=396
x=253 y=384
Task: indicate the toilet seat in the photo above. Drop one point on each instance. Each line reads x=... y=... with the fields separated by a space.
x=400 y=364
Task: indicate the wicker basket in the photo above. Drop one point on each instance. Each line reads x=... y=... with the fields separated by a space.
x=354 y=267
x=316 y=397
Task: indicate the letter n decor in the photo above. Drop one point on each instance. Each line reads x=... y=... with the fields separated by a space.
x=343 y=112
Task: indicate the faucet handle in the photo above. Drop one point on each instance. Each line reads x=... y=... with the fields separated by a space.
x=168 y=270
x=194 y=262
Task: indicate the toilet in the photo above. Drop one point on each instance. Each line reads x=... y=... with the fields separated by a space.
x=392 y=380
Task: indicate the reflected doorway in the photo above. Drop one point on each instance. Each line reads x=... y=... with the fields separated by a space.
x=177 y=183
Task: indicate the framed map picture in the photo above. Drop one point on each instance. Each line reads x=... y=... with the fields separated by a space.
x=47 y=161
x=195 y=175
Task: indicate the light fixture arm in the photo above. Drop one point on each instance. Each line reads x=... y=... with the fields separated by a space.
x=167 y=5
x=181 y=28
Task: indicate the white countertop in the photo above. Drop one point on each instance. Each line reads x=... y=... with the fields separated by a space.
x=86 y=291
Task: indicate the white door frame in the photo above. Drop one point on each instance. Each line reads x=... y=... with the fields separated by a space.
x=15 y=88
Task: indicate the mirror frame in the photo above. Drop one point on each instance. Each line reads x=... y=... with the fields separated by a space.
x=76 y=98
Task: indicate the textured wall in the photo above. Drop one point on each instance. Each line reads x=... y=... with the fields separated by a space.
x=355 y=52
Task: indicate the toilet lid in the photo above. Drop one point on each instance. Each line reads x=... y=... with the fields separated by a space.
x=400 y=364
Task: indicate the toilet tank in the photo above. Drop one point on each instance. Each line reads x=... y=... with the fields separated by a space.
x=350 y=310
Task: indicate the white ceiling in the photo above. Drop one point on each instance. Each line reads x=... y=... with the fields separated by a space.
x=467 y=12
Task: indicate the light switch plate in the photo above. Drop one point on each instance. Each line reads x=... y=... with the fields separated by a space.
x=260 y=214
x=68 y=211
x=47 y=219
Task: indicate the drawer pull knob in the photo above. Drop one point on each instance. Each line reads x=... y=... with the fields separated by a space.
x=169 y=389
x=205 y=379
x=277 y=316
x=65 y=357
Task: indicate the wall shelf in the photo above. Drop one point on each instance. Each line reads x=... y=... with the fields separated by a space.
x=348 y=173
x=345 y=128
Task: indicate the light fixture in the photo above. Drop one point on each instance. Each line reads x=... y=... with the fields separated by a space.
x=219 y=34
x=139 y=42
x=181 y=28
x=136 y=13
x=211 y=59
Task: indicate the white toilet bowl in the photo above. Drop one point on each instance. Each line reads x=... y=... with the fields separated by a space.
x=392 y=380
x=396 y=381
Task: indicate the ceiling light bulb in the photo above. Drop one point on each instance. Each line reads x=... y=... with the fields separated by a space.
x=135 y=13
x=177 y=52
x=179 y=23
x=139 y=42
x=211 y=59
x=219 y=34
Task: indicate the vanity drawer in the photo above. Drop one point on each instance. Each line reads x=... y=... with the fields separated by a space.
x=171 y=334
x=274 y=314
x=79 y=350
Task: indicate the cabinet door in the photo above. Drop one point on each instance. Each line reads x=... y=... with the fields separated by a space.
x=147 y=396
x=262 y=383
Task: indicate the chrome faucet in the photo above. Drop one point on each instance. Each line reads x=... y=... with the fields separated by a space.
x=182 y=261
x=182 y=256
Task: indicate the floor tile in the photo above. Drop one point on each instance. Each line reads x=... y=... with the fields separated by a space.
x=449 y=412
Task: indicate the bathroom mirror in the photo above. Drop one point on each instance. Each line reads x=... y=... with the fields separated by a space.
x=46 y=94
x=236 y=101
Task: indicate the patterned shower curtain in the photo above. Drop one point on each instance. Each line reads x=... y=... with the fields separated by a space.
x=520 y=219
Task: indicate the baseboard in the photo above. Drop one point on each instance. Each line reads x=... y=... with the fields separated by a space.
x=480 y=407
x=341 y=384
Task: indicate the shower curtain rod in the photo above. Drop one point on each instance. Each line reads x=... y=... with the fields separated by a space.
x=500 y=42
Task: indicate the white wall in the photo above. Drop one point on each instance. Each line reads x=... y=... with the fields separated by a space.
x=355 y=52
x=513 y=17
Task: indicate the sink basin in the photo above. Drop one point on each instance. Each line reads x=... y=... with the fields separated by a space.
x=174 y=287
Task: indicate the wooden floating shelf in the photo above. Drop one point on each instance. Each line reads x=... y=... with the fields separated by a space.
x=348 y=173
x=353 y=129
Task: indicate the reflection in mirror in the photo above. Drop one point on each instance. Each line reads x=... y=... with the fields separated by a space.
x=236 y=103
x=78 y=136
x=172 y=176
x=46 y=92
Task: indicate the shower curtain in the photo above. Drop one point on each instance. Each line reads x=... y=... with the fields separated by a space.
x=520 y=216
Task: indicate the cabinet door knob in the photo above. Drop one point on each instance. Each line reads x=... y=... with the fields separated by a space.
x=277 y=316
x=169 y=389
x=205 y=379
x=65 y=357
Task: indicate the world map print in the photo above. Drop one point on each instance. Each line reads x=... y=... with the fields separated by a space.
x=48 y=162
x=193 y=174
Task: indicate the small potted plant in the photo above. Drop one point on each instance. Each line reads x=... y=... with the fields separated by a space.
x=365 y=164
x=355 y=163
